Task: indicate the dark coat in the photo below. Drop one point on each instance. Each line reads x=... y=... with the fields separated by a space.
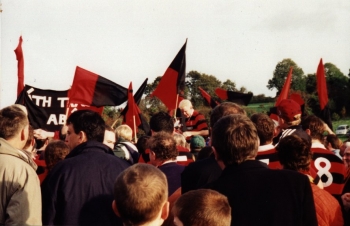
x=79 y=189
x=262 y=196
x=198 y=174
x=172 y=172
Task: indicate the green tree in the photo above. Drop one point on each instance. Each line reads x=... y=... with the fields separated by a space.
x=281 y=72
x=229 y=85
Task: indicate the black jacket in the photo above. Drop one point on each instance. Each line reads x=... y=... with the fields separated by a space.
x=262 y=196
x=79 y=189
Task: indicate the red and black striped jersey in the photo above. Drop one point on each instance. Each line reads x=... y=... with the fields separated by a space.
x=329 y=168
x=196 y=122
x=268 y=154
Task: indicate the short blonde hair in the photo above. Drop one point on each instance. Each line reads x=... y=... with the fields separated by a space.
x=124 y=132
x=185 y=103
x=140 y=192
x=180 y=140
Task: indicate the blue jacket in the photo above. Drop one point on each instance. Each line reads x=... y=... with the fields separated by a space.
x=79 y=189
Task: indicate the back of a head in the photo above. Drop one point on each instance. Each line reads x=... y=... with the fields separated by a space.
x=294 y=153
x=235 y=139
x=123 y=132
x=203 y=207
x=12 y=121
x=226 y=108
x=140 y=192
x=164 y=146
x=180 y=139
x=315 y=125
x=89 y=122
x=197 y=143
x=142 y=146
x=162 y=121
x=264 y=126
x=334 y=141
x=55 y=152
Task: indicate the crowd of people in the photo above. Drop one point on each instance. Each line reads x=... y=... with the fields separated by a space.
x=237 y=170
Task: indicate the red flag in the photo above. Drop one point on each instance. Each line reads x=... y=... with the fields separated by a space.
x=132 y=116
x=92 y=89
x=208 y=98
x=322 y=86
x=235 y=97
x=285 y=90
x=20 y=66
x=173 y=81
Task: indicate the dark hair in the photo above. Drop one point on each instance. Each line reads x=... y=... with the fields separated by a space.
x=264 y=126
x=55 y=152
x=89 y=122
x=226 y=108
x=294 y=153
x=205 y=152
x=162 y=121
x=235 y=139
x=334 y=141
x=163 y=145
x=315 y=125
x=142 y=146
x=12 y=121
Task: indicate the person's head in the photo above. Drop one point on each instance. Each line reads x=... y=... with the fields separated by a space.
x=109 y=138
x=14 y=126
x=314 y=126
x=162 y=148
x=294 y=153
x=141 y=195
x=202 y=207
x=30 y=144
x=226 y=108
x=142 y=147
x=84 y=125
x=186 y=108
x=55 y=152
x=346 y=157
x=264 y=126
x=332 y=142
x=289 y=113
x=123 y=132
x=197 y=143
x=235 y=139
x=161 y=121
x=180 y=139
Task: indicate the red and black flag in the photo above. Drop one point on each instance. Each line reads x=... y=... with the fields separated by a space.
x=212 y=103
x=286 y=87
x=20 y=66
x=235 y=97
x=92 y=89
x=172 y=83
x=322 y=92
x=137 y=98
x=132 y=115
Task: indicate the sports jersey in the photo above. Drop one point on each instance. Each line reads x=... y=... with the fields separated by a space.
x=268 y=154
x=329 y=168
x=196 y=122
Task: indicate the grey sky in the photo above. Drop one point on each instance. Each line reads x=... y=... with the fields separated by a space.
x=130 y=40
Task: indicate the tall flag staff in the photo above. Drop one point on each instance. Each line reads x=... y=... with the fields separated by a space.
x=20 y=66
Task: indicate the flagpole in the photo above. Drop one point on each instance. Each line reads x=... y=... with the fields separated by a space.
x=133 y=117
x=177 y=99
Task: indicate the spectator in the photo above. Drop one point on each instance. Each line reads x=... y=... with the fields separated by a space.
x=20 y=202
x=142 y=147
x=124 y=148
x=55 y=152
x=163 y=155
x=109 y=138
x=202 y=207
x=141 y=196
x=81 y=187
x=196 y=144
x=161 y=122
x=266 y=152
x=199 y=173
x=273 y=197
x=295 y=154
x=333 y=144
x=325 y=163
x=195 y=122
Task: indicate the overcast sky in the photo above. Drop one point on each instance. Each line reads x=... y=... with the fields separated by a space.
x=132 y=40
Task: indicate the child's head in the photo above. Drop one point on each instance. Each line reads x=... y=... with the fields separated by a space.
x=202 y=207
x=141 y=195
x=55 y=152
